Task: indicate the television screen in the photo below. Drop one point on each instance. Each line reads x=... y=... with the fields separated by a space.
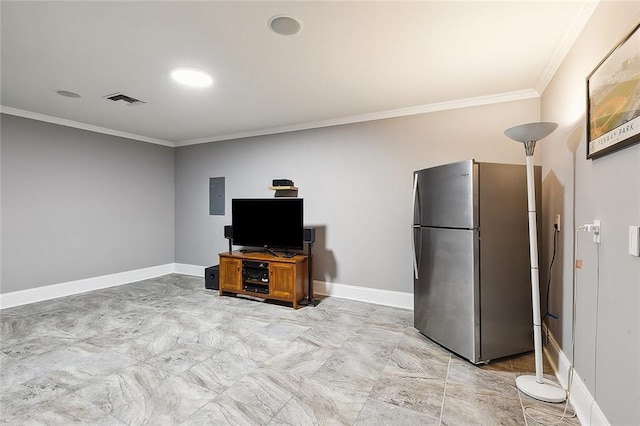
x=267 y=222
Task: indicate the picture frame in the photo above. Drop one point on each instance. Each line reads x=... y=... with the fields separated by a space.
x=613 y=99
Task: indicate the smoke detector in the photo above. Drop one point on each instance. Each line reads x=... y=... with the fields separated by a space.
x=126 y=99
x=68 y=94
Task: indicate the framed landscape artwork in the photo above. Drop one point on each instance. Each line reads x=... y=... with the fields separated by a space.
x=613 y=99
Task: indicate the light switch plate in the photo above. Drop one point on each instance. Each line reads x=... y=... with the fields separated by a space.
x=634 y=240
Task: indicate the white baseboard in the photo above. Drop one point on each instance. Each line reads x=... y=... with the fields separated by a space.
x=586 y=407
x=38 y=294
x=364 y=294
x=396 y=299
x=186 y=269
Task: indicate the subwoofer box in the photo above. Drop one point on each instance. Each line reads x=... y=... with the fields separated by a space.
x=211 y=277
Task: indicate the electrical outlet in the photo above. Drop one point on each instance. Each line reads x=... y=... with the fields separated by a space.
x=557 y=222
x=597 y=232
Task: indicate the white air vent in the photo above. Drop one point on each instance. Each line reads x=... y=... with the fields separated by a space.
x=121 y=97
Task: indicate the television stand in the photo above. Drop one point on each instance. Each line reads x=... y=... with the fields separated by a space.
x=263 y=276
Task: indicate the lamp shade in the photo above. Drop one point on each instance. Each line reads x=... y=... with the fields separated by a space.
x=531 y=131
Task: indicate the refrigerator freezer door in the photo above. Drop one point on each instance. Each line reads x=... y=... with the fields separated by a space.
x=446 y=196
x=446 y=295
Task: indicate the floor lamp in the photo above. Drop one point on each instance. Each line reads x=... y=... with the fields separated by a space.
x=535 y=386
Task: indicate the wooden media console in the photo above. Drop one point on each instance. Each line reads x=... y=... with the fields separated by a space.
x=264 y=275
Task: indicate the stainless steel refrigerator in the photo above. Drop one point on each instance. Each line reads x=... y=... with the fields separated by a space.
x=472 y=288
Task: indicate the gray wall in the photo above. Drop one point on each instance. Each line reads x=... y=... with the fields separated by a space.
x=356 y=181
x=78 y=204
x=608 y=188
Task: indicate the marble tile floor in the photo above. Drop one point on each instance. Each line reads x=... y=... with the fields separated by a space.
x=165 y=351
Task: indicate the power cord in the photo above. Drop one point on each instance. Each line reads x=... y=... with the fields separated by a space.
x=595 y=228
x=548 y=313
x=595 y=351
x=527 y=409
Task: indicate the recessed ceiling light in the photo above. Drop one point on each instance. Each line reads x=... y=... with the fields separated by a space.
x=67 y=94
x=192 y=77
x=284 y=25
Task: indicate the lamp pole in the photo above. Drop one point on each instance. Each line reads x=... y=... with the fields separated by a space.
x=535 y=386
x=529 y=147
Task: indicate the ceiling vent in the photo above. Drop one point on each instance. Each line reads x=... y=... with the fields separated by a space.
x=121 y=97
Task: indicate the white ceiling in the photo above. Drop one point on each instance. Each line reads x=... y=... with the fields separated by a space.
x=352 y=61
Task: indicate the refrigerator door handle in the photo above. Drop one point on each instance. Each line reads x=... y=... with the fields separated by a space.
x=415 y=198
x=413 y=231
x=415 y=253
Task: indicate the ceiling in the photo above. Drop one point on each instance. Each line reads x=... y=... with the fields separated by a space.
x=351 y=61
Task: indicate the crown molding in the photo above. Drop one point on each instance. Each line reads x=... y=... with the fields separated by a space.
x=83 y=126
x=400 y=112
x=569 y=37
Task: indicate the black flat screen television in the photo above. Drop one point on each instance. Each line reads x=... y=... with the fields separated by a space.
x=268 y=222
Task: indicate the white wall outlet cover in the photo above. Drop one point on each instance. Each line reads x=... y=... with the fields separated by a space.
x=634 y=240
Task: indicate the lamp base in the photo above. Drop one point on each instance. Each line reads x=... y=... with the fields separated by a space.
x=546 y=391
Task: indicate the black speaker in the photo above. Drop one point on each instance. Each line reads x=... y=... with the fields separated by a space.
x=282 y=182
x=211 y=277
x=309 y=235
x=228 y=232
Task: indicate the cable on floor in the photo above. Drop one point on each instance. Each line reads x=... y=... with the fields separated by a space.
x=573 y=341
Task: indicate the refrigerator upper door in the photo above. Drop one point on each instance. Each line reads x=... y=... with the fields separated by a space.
x=447 y=196
x=446 y=295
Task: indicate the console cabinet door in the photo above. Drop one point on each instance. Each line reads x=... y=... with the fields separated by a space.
x=230 y=274
x=281 y=279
